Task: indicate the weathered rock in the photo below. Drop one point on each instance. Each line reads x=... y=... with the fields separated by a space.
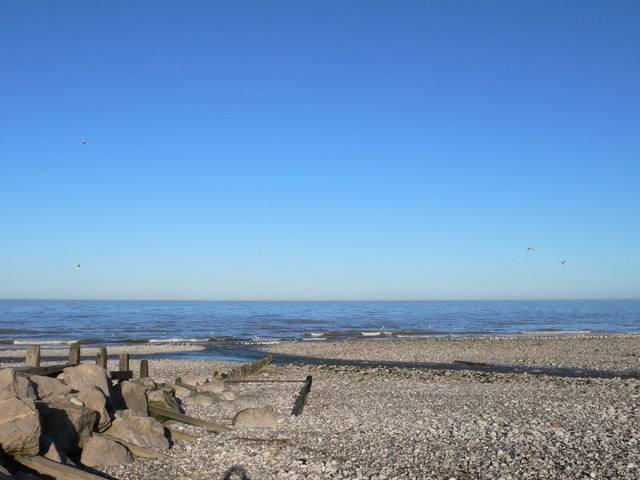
x=201 y=399
x=227 y=395
x=139 y=430
x=183 y=390
x=266 y=417
x=5 y=474
x=13 y=386
x=163 y=398
x=216 y=386
x=68 y=425
x=94 y=399
x=47 y=388
x=102 y=452
x=19 y=420
x=135 y=397
x=147 y=383
x=50 y=450
x=87 y=375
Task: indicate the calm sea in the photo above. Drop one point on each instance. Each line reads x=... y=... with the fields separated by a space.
x=104 y=322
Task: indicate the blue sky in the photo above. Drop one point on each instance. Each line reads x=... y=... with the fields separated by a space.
x=369 y=150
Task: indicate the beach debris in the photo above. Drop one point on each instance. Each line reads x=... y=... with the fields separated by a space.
x=209 y=426
x=475 y=364
x=266 y=417
x=102 y=451
x=302 y=397
x=56 y=470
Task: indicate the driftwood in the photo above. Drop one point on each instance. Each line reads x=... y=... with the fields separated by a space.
x=477 y=364
x=176 y=434
x=209 y=426
x=302 y=397
x=266 y=380
x=54 y=469
x=33 y=356
x=135 y=449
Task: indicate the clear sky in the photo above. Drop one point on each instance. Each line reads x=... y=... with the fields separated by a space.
x=320 y=150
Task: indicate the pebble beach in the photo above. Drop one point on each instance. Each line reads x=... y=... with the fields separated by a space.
x=381 y=414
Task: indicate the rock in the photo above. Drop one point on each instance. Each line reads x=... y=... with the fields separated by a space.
x=135 y=397
x=87 y=375
x=163 y=398
x=47 y=387
x=227 y=395
x=183 y=390
x=139 y=430
x=19 y=420
x=5 y=474
x=266 y=417
x=94 y=399
x=201 y=399
x=50 y=450
x=13 y=386
x=147 y=383
x=69 y=426
x=216 y=386
x=103 y=452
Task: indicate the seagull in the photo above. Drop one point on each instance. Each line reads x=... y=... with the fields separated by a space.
x=84 y=142
x=530 y=248
x=78 y=267
x=259 y=250
x=563 y=262
x=43 y=168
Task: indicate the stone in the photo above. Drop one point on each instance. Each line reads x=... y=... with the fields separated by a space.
x=13 y=386
x=147 y=383
x=135 y=397
x=184 y=390
x=139 y=430
x=163 y=398
x=87 y=375
x=103 y=452
x=94 y=399
x=19 y=420
x=5 y=474
x=47 y=387
x=266 y=417
x=50 y=450
x=67 y=425
x=201 y=399
x=216 y=386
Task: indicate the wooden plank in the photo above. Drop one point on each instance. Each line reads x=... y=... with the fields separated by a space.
x=144 y=368
x=176 y=434
x=266 y=380
x=135 y=449
x=101 y=357
x=124 y=362
x=49 y=370
x=210 y=426
x=54 y=469
x=121 y=375
x=302 y=397
x=33 y=356
x=74 y=353
x=476 y=364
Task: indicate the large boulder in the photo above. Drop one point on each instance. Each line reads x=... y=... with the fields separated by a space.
x=47 y=388
x=19 y=420
x=87 y=375
x=139 y=430
x=135 y=397
x=94 y=399
x=69 y=426
x=102 y=452
x=266 y=417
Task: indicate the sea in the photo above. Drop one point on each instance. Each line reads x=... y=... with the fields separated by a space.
x=98 y=322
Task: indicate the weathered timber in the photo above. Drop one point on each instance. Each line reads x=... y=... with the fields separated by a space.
x=101 y=357
x=209 y=426
x=121 y=374
x=176 y=434
x=33 y=356
x=249 y=368
x=302 y=397
x=135 y=449
x=49 y=370
x=476 y=364
x=54 y=469
x=74 y=353
x=124 y=362
x=144 y=368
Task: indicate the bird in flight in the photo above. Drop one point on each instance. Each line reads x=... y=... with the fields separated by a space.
x=84 y=141
x=530 y=248
x=78 y=267
x=563 y=262
x=259 y=250
x=43 y=168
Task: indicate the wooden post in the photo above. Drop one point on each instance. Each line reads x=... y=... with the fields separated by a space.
x=124 y=362
x=74 y=354
x=302 y=398
x=33 y=356
x=144 y=368
x=101 y=357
